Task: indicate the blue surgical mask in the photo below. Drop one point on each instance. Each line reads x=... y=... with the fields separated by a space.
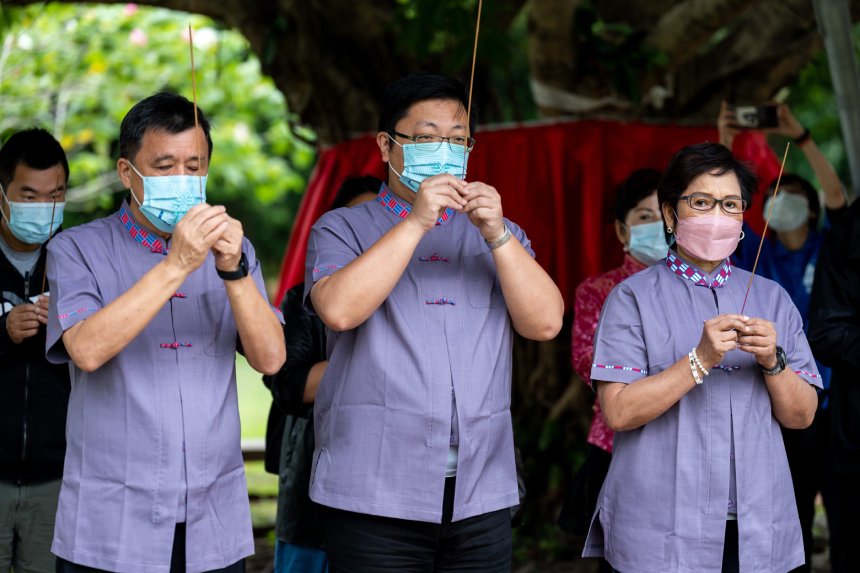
x=423 y=160
x=33 y=223
x=647 y=243
x=166 y=198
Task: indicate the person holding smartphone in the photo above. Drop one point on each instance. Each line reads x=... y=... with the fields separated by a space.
x=34 y=393
x=788 y=256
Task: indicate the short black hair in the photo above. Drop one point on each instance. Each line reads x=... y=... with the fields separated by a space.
x=163 y=111
x=352 y=187
x=35 y=148
x=695 y=160
x=638 y=185
x=402 y=94
x=808 y=190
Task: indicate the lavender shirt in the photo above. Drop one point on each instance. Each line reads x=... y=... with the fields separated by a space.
x=383 y=411
x=663 y=506
x=123 y=483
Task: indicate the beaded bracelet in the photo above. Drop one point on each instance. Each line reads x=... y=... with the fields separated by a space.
x=699 y=362
x=693 y=369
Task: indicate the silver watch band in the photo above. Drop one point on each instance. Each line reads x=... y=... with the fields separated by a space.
x=506 y=236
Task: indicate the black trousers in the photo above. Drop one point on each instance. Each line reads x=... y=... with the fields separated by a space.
x=578 y=508
x=810 y=459
x=731 y=553
x=731 y=559
x=360 y=543
x=844 y=523
x=177 y=559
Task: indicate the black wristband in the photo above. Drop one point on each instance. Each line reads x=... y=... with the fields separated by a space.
x=239 y=273
x=803 y=137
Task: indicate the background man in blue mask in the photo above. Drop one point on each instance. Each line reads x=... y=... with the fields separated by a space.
x=421 y=291
x=148 y=308
x=33 y=393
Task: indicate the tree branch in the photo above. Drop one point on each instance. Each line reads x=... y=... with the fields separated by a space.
x=551 y=49
x=765 y=51
x=332 y=58
x=689 y=25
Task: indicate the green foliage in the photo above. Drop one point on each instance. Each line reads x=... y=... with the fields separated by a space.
x=813 y=102
x=77 y=70
x=441 y=35
x=616 y=49
x=448 y=39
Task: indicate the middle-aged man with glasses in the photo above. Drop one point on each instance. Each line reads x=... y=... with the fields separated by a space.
x=422 y=290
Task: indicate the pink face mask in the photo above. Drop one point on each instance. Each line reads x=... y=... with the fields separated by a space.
x=710 y=238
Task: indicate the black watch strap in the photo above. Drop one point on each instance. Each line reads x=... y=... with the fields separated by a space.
x=239 y=273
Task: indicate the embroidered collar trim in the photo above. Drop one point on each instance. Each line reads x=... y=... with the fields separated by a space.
x=697 y=277
x=146 y=238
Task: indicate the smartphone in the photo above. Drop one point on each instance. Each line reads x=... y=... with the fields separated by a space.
x=756 y=116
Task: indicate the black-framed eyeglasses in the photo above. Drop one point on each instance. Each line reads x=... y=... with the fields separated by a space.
x=461 y=140
x=729 y=205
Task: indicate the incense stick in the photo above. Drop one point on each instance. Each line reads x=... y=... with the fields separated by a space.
x=766 y=223
x=196 y=121
x=474 y=59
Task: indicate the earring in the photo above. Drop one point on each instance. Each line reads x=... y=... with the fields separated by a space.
x=669 y=230
x=742 y=236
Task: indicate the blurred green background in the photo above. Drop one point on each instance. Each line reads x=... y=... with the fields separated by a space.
x=77 y=70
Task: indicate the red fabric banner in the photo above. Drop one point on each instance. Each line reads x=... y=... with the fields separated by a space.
x=557 y=181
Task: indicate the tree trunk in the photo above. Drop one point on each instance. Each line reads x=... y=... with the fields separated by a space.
x=643 y=58
x=682 y=57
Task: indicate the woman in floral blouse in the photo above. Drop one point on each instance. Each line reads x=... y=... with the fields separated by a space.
x=639 y=228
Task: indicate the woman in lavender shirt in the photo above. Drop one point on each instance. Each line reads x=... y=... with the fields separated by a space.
x=696 y=389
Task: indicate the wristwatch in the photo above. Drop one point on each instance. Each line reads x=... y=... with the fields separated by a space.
x=780 y=363
x=239 y=273
x=495 y=244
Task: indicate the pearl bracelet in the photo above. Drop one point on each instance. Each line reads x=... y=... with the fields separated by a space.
x=699 y=362
x=694 y=370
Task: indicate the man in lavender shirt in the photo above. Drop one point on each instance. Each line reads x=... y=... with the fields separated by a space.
x=421 y=291
x=148 y=307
